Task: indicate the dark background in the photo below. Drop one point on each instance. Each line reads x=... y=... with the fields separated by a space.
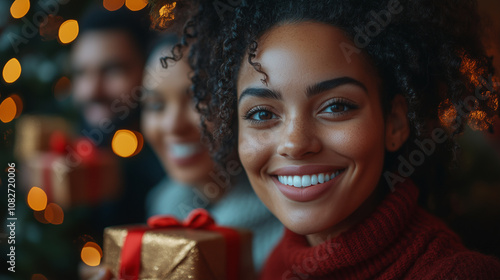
x=473 y=203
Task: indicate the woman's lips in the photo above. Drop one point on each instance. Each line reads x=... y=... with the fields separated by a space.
x=303 y=187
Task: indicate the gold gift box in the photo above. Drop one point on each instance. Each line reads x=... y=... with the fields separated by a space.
x=67 y=182
x=33 y=134
x=180 y=253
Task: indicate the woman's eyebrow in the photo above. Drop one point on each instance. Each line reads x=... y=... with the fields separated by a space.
x=333 y=83
x=260 y=92
x=311 y=90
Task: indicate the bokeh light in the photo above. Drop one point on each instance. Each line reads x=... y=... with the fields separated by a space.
x=40 y=216
x=8 y=110
x=91 y=254
x=477 y=120
x=127 y=143
x=19 y=104
x=84 y=147
x=50 y=28
x=447 y=113
x=54 y=214
x=136 y=5
x=19 y=8
x=470 y=68
x=94 y=245
x=37 y=199
x=38 y=277
x=113 y=5
x=62 y=88
x=11 y=70
x=68 y=31
x=493 y=102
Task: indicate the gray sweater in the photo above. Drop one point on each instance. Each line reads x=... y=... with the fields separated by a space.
x=239 y=207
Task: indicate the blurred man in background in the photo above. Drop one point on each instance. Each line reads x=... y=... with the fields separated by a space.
x=107 y=63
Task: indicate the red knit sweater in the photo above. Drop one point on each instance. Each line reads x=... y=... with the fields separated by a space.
x=399 y=240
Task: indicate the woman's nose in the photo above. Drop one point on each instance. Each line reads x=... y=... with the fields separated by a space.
x=298 y=139
x=177 y=121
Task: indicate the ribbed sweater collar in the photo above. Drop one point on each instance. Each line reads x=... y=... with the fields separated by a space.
x=372 y=244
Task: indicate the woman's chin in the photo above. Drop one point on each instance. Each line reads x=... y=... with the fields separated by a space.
x=188 y=177
x=304 y=228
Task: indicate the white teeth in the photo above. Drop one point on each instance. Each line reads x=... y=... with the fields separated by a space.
x=307 y=180
x=184 y=150
x=297 y=181
x=321 y=178
x=314 y=179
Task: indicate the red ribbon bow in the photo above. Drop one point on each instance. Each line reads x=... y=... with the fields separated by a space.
x=197 y=219
x=130 y=264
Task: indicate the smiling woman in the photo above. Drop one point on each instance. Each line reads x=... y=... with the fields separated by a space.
x=326 y=123
x=170 y=121
x=317 y=126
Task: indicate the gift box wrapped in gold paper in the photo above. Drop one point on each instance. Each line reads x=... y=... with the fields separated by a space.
x=75 y=174
x=33 y=134
x=168 y=249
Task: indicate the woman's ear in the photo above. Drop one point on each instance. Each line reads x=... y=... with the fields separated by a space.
x=397 y=127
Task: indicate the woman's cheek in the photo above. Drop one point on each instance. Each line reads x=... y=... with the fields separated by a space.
x=363 y=145
x=357 y=140
x=254 y=149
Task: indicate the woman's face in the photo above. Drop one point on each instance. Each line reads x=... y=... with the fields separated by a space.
x=311 y=140
x=170 y=122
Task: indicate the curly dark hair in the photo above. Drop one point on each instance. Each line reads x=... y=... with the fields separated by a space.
x=198 y=24
x=430 y=52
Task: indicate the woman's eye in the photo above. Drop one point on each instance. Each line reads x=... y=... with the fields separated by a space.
x=336 y=108
x=152 y=106
x=260 y=115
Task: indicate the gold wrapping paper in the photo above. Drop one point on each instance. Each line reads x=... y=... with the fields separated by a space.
x=178 y=254
x=84 y=182
x=33 y=134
